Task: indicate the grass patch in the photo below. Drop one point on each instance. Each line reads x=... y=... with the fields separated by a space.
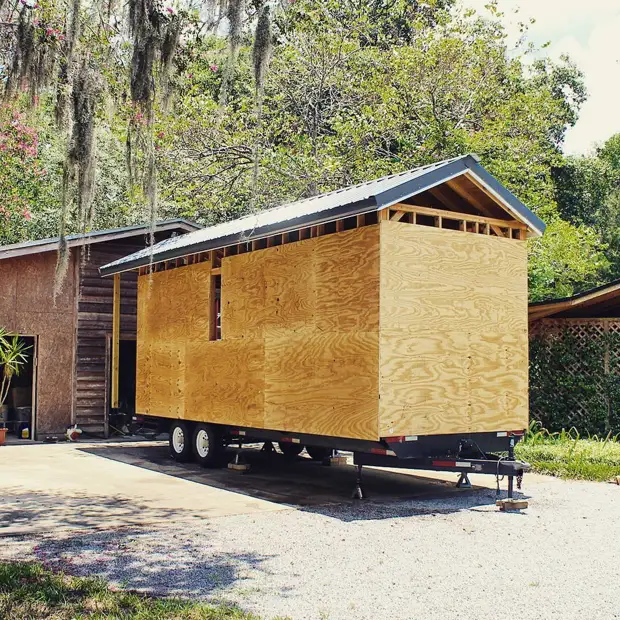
x=29 y=591
x=568 y=455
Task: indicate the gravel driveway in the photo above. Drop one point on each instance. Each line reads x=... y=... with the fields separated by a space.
x=452 y=557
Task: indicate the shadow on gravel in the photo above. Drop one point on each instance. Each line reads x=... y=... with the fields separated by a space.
x=114 y=538
x=311 y=486
x=177 y=565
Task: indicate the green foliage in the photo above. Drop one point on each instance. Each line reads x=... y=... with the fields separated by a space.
x=30 y=591
x=566 y=454
x=12 y=358
x=569 y=385
x=354 y=90
x=587 y=190
x=23 y=177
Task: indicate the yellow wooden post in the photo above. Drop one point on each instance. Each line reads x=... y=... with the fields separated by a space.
x=116 y=336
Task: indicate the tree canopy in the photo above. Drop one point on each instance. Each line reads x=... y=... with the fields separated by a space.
x=118 y=114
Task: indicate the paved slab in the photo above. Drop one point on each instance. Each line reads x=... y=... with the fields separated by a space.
x=103 y=485
x=72 y=486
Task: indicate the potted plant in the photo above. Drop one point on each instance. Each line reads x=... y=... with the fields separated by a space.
x=12 y=357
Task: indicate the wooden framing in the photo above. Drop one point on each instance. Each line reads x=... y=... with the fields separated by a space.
x=399 y=212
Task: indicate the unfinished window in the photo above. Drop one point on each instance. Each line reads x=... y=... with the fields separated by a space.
x=215 y=318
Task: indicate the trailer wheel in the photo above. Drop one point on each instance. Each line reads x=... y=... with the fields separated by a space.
x=179 y=442
x=319 y=453
x=207 y=445
x=289 y=449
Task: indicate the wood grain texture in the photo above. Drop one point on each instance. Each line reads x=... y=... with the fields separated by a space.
x=453 y=339
x=324 y=383
x=300 y=340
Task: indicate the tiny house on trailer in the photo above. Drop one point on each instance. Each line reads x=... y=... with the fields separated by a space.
x=388 y=318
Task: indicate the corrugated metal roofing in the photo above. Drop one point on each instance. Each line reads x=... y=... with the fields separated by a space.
x=96 y=236
x=353 y=200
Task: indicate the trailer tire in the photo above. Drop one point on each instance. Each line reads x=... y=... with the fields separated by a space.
x=207 y=445
x=319 y=453
x=290 y=450
x=179 y=442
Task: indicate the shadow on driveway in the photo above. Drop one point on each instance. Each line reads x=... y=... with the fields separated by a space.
x=303 y=483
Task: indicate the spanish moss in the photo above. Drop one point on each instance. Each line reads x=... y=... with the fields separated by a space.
x=23 y=54
x=79 y=168
x=63 y=88
x=235 y=23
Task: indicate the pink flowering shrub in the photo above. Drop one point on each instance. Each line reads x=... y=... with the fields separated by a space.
x=21 y=175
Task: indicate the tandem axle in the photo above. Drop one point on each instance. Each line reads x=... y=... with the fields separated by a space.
x=461 y=453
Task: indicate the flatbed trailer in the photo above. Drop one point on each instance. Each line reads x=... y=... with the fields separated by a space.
x=388 y=319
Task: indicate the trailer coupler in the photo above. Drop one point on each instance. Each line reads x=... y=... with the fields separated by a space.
x=495 y=466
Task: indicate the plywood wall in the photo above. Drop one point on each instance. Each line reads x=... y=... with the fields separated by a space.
x=300 y=339
x=453 y=334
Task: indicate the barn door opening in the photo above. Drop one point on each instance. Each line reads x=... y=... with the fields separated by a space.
x=120 y=419
x=22 y=399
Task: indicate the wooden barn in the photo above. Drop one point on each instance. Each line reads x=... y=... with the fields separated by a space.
x=575 y=372
x=396 y=307
x=67 y=380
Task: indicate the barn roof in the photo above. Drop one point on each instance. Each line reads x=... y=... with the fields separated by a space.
x=599 y=302
x=354 y=200
x=96 y=236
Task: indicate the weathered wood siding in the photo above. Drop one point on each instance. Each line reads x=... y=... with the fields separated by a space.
x=300 y=339
x=94 y=325
x=454 y=349
x=27 y=307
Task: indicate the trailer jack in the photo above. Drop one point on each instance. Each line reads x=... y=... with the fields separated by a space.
x=463 y=482
x=358 y=492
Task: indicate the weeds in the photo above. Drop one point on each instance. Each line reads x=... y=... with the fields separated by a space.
x=569 y=455
x=29 y=591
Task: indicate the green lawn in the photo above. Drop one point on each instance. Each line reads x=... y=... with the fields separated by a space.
x=28 y=592
x=568 y=456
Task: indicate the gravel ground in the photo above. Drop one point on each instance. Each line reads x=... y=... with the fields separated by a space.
x=457 y=557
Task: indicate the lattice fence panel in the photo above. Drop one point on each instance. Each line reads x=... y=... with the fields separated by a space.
x=575 y=373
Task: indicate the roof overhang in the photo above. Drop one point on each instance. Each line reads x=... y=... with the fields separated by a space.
x=364 y=198
x=590 y=298
x=49 y=245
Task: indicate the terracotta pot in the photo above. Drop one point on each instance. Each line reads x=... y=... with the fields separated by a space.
x=2 y=436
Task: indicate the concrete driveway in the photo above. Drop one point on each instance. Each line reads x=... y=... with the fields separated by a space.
x=112 y=484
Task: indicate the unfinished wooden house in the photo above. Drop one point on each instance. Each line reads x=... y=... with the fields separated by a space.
x=67 y=378
x=390 y=311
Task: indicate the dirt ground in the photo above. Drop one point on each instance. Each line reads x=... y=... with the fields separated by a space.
x=286 y=539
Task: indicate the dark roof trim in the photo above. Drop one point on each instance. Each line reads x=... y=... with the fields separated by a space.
x=505 y=196
x=98 y=236
x=354 y=200
x=542 y=309
x=357 y=208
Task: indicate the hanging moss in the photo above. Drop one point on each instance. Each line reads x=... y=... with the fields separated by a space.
x=23 y=54
x=63 y=87
x=235 y=23
x=261 y=51
x=79 y=168
x=169 y=45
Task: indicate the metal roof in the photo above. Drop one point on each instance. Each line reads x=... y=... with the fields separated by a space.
x=96 y=236
x=589 y=298
x=353 y=200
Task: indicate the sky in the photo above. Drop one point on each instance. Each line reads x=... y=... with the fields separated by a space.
x=589 y=32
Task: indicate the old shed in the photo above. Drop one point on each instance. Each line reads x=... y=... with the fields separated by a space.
x=575 y=360
x=392 y=307
x=67 y=379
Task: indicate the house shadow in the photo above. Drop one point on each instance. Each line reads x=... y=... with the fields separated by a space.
x=310 y=486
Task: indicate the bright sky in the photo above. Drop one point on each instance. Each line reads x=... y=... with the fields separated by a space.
x=589 y=32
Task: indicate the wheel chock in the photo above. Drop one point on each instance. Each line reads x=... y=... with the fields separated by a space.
x=511 y=505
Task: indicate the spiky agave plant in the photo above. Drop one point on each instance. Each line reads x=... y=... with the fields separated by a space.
x=12 y=358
